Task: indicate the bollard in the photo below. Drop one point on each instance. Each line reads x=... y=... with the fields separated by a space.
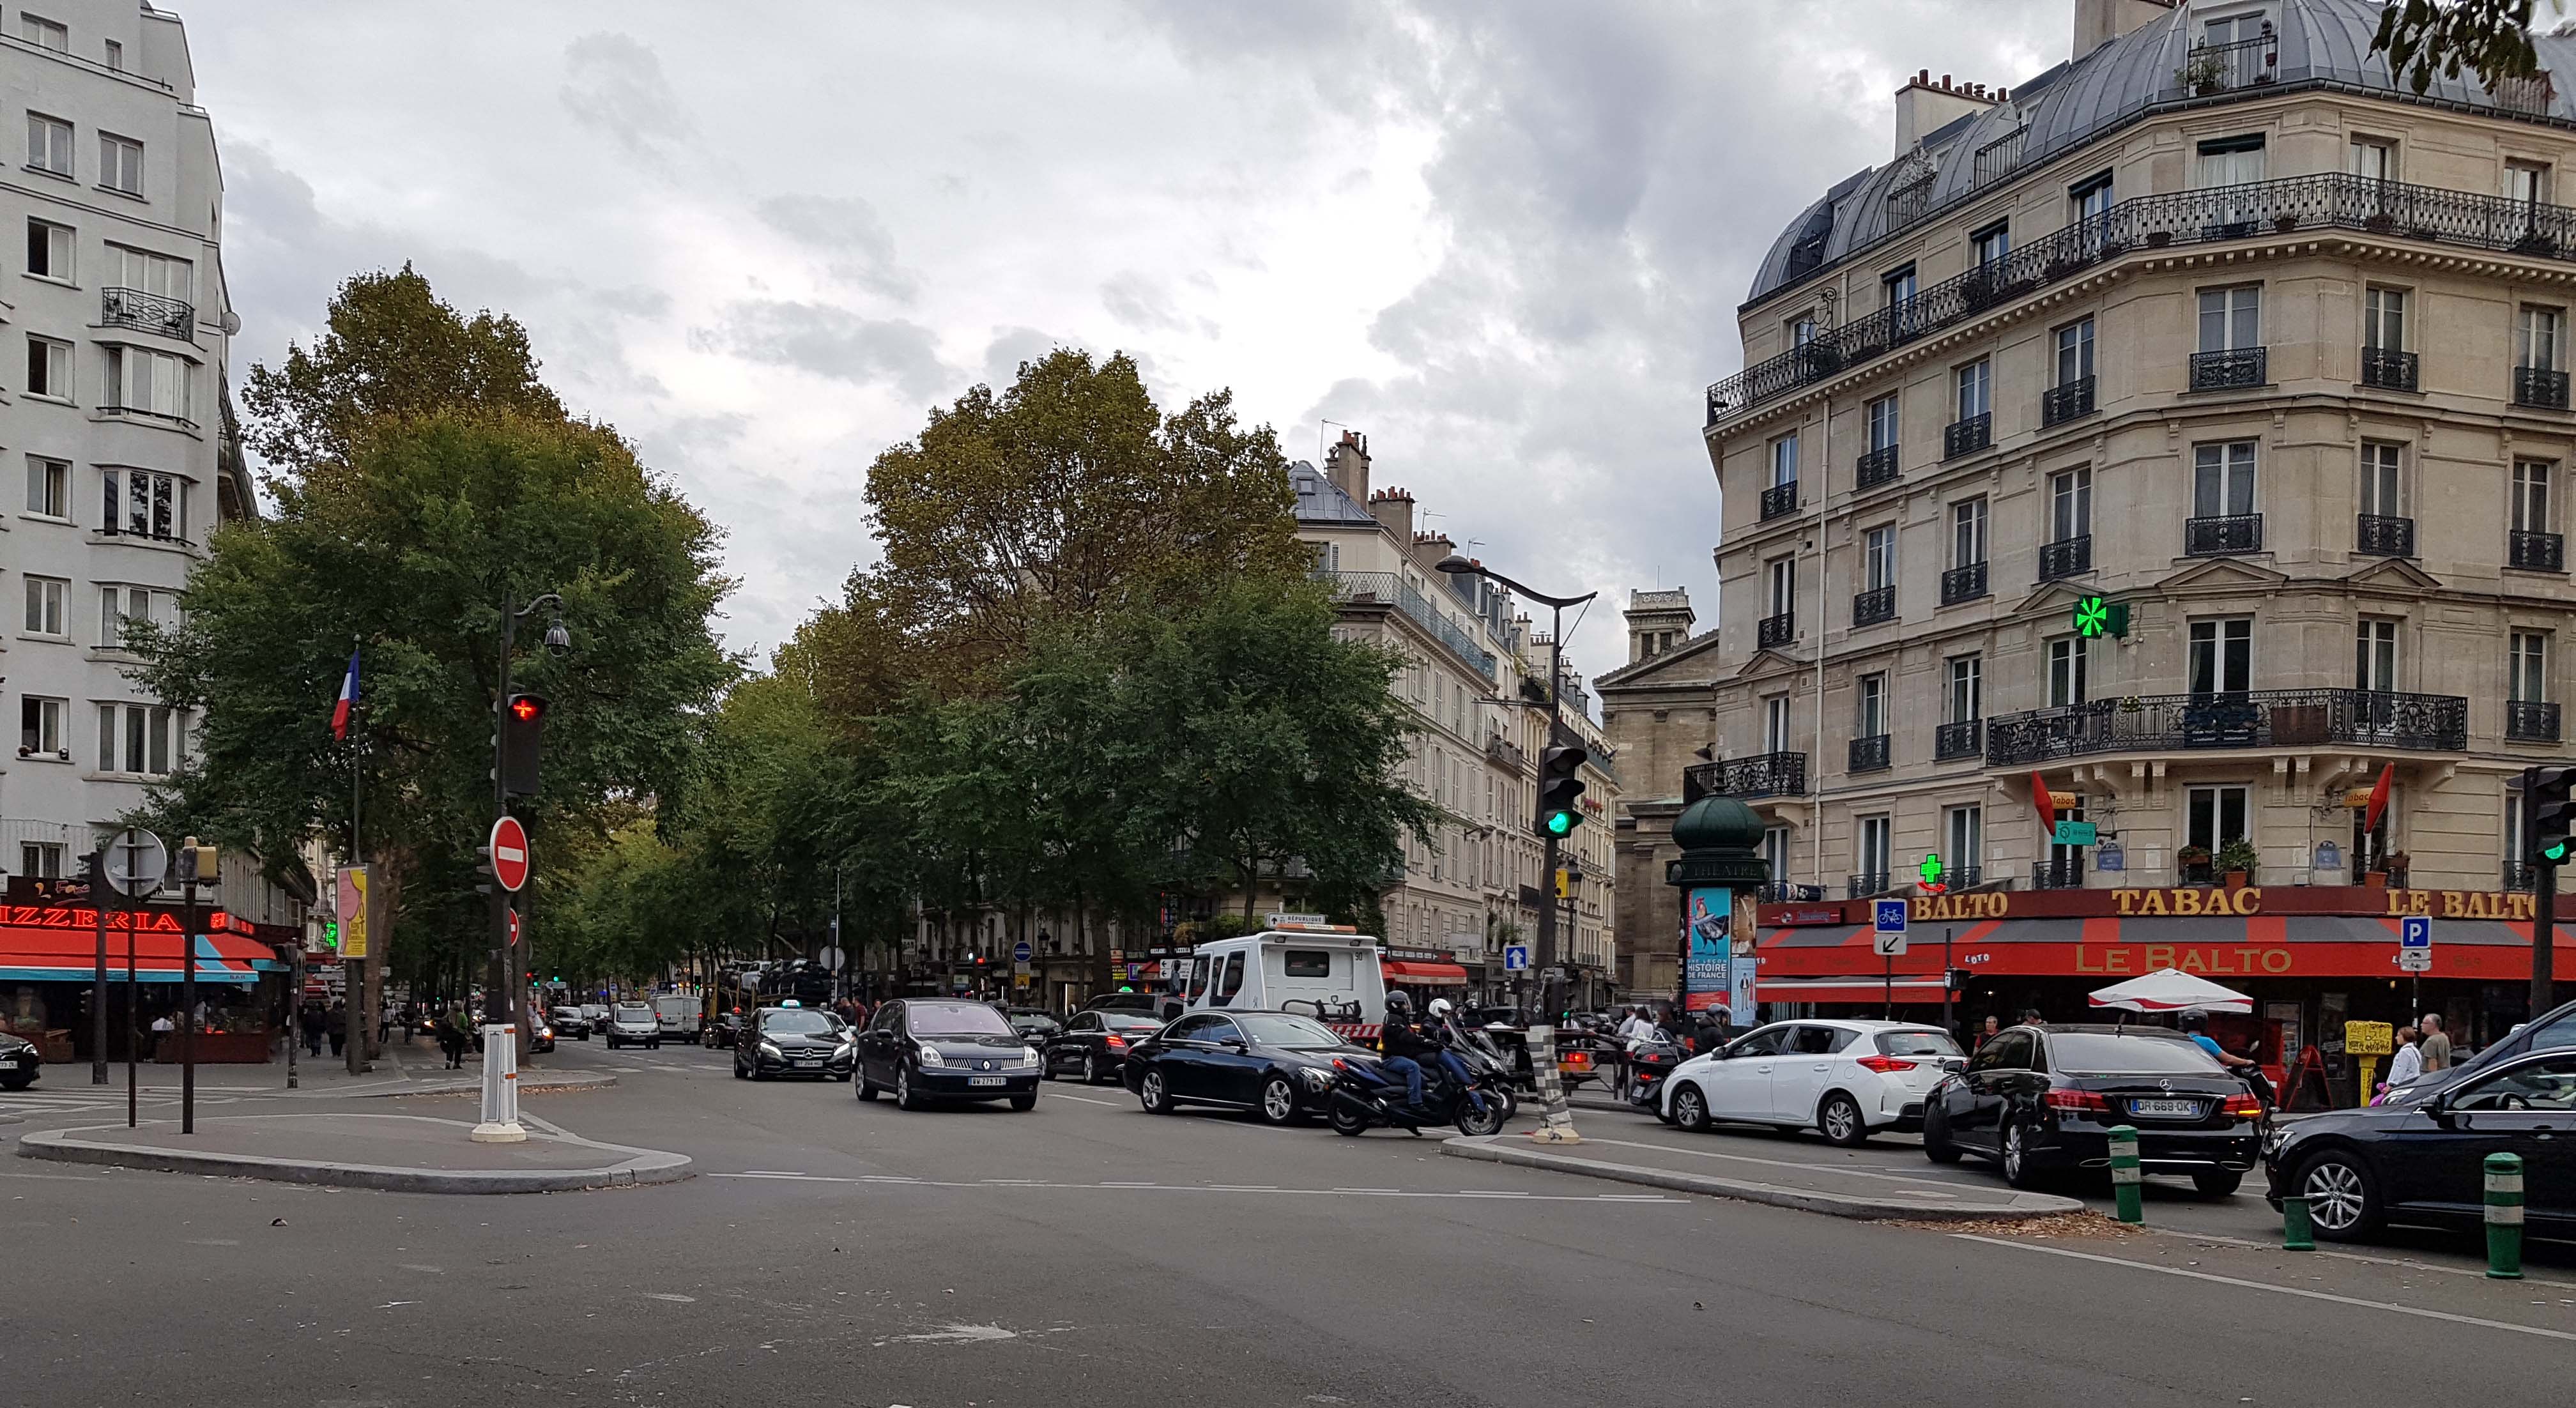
x=2124 y=1173
x=2298 y=1233
x=2504 y=1217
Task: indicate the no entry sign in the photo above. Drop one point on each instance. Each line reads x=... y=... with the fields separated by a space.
x=509 y=853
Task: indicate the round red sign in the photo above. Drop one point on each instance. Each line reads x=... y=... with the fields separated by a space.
x=509 y=853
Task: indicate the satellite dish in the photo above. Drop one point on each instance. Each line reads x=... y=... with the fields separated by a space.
x=137 y=863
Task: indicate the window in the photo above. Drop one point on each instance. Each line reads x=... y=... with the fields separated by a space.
x=1992 y=244
x=1802 y=329
x=2381 y=493
x=150 y=272
x=2232 y=29
x=2074 y=352
x=1882 y=423
x=2231 y=319
x=2531 y=495
x=154 y=383
x=2383 y=319
x=40 y=724
x=2527 y=669
x=2526 y=182
x=115 y=57
x=2372 y=159
x=44 y=33
x=1968 y=532
x=1871 y=859
x=2536 y=338
x=1784 y=585
x=1967 y=692
x=2223 y=479
x=2229 y=161
x=2545 y=1087
x=1873 y=706
x=1899 y=285
x=2091 y=200
x=1878 y=557
x=49 y=368
x=2067 y=657
x=120 y=163
x=49 y=487
x=1966 y=834
x=1227 y=987
x=1775 y=852
x=118 y=605
x=138 y=738
x=2217 y=817
x=2070 y=504
x=1976 y=389
x=49 y=144
x=1784 y=460
x=146 y=504
x=2222 y=655
x=49 y=250
x=1775 y=724
x=45 y=598
x=2374 y=655
x=40 y=860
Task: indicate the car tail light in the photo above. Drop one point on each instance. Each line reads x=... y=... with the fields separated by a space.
x=1117 y=1043
x=2079 y=1101
x=1886 y=1065
x=2242 y=1107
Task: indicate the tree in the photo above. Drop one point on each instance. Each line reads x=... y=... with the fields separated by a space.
x=2491 y=38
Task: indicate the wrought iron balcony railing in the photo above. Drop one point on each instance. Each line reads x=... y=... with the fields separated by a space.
x=2053 y=874
x=2531 y=721
x=1761 y=775
x=2067 y=557
x=2212 y=69
x=1873 y=606
x=2383 y=536
x=154 y=313
x=1779 y=500
x=2066 y=401
x=1964 y=739
x=2519 y=876
x=1875 y=468
x=1389 y=589
x=1869 y=754
x=1776 y=630
x=1966 y=437
x=2263 y=718
x=2229 y=369
x=1866 y=884
x=2536 y=552
x=2542 y=388
x=1963 y=584
x=2222 y=537
x=2388 y=369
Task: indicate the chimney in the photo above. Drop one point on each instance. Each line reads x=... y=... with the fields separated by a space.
x=1924 y=106
x=2098 y=22
x=1347 y=466
x=1393 y=510
x=1658 y=621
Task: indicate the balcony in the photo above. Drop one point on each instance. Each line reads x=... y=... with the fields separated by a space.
x=1869 y=754
x=1966 y=437
x=1964 y=739
x=2067 y=874
x=1871 y=607
x=1963 y=584
x=1862 y=886
x=2213 y=69
x=2540 y=387
x=2062 y=403
x=1387 y=589
x=2531 y=721
x=2067 y=557
x=2518 y=876
x=1776 y=631
x=2263 y=718
x=1779 y=500
x=154 y=313
x=1503 y=751
x=1761 y=775
x=1778 y=893
x=2536 y=552
x=1875 y=468
x=2383 y=536
x=2388 y=369
x=2228 y=536
x=2229 y=370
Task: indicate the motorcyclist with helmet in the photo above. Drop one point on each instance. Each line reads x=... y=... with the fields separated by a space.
x=1452 y=1062
x=1401 y=1039
x=2195 y=1024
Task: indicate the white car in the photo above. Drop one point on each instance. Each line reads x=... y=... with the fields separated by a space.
x=1849 y=1079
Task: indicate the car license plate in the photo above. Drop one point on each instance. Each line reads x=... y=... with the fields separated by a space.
x=2186 y=1109
x=983 y=1080
x=809 y=1060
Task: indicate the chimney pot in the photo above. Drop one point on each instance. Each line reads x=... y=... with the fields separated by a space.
x=1945 y=83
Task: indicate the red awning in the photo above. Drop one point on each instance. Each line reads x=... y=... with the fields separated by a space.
x=46 y=944
x=1428 y=975
x=1845 y=990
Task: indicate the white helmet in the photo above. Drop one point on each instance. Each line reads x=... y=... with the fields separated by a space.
x=1439 y=1007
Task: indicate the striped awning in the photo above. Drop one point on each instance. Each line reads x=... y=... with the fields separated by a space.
x=43 y=944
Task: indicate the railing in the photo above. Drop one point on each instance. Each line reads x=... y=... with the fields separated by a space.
x=2388 y=369
x=1779 y=500
x=1966 y=437
x=2229 y=369
x=2213 y=69
x=2519 y=876
x=2531 y=721
x=2066 y=401
x=1862 y=886
x=147 y=312
x=1388 y=588
x=1499 y=749
x=1998 y=158
x=1778 y=893
x=1963 y=584
x=148 y=413
x=2536 y=552
x=1776 y=630
x=2067 y=557
x=1875 y=468
x=1963 y=739
x=1962 y=877
x=2053 y=874
x=2223 y=536
x=2383 y=536
x=1907 y=201
x=2264 y=718
x=1873 y=606
x=1761 y=775
x=2426 y=214
x=2542 y=388
x=1869 y=754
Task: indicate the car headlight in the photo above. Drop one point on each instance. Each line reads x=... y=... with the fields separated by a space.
x=770 y=1048
x=1317 y=1078
x=1028 y=1055
x=929 y=1056
x=547 y=1032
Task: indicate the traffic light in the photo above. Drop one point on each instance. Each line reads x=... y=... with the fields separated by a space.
x=1560 y=788
x=2549 y=813
x=523 y=719
x=331 y=934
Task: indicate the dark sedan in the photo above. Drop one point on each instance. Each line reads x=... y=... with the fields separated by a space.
x=1277 y=1064
x=1093 y=1045
x=1034 y=1024
x=928 y=1049
x=568 y=1022
x=19 y=1062
x=795 y=1041
x=2425 y=1160
x=2041 y=1100
x=2556 y=1030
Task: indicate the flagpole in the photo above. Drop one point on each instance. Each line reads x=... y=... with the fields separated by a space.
x=353 y=977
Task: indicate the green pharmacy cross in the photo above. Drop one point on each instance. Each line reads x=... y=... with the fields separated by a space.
x=2095 y=617
x=1930 y=871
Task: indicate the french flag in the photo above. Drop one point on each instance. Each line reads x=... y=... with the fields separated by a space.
x=348 y=700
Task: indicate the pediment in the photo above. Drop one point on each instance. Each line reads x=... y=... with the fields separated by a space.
x=1765 y=663
x=1644 y=671
x=2222 y=574
x=2394 y=573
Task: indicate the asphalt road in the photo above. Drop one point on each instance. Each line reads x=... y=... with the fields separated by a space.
x=1088 y=1253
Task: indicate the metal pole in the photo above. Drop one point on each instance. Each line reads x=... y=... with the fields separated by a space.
x=294 y=1009
x=498 y=1010
x=188 y=999
x=1887 y=972
x=1549 y=980
x=133 y=1003
x=353 y=971
x=97 y=862
x=2544 y=938
x=1946 y=970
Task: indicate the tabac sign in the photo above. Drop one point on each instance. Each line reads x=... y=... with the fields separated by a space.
x=2189 y=902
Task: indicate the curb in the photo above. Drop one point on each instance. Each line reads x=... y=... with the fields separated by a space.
x=550 y=1085
x=2024 y=1206
x=641 y=1167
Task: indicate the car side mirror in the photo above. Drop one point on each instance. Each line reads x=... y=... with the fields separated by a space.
x=1236 y=1045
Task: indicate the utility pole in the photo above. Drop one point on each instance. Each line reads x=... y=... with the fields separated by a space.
x=95 y=866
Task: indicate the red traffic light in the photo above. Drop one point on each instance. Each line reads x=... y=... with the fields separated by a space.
x=527 y=708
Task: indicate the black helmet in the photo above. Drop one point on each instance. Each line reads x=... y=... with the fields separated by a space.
x=2193 y=1019
x=1399 y=1001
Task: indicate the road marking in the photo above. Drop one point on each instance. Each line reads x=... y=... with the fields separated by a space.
x=2303 y=1294
x=673 y=1298
x=1125 y=1187
x=775 y=1172
x=1087 y=1100
x=2400 y=1262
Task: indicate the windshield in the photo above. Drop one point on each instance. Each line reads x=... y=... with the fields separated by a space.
x=1916 y=1044
x=2101 y=1054
x=633 y=1009
x=955 y=1019
x=1295 y=1033
x=1130 y=1021
x=801 y=1023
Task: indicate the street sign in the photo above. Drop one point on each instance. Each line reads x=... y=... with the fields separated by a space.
x=1020 y=952
x=350 y=901
x=2415 y=931
x=2415 y=960
x=1133 y=969
x=509 y=853
x=136 y=861
x=2075 y=833
x=1887 y=923
x=2369 y=1039
x=1516 y=958
x=830 y=957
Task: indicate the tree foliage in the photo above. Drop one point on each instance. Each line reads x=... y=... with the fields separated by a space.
x=2490 y=38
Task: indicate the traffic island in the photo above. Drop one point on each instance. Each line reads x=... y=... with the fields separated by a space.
x=395 y=1153
x=1836 y=1192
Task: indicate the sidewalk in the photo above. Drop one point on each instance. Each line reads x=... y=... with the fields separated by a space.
x=403 y=1069
x=1781 y=1182
x=402 y=1153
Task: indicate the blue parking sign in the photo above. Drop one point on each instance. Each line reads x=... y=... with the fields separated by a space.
x=2415 y=931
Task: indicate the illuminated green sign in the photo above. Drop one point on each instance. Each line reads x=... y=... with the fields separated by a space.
x=2095 y=617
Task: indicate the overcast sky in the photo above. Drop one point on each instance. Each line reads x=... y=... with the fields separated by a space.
x=1504 y=240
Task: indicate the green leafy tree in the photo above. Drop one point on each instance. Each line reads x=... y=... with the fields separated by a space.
x=2490 y=38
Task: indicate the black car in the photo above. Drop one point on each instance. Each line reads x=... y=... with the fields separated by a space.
x=19 y=1062
x=931 y=1049
x=795 y=1041
x=568 y=1022
x=1125 y=1002
x=2556 y=1030
x=1093 y=1045
x=2043 y=1099
x=2425 y=1160
x=541 y=1034
x=1277 y=1064
x=1034 y=1024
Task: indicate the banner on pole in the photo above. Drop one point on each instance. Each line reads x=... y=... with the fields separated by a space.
x=1708 y=973
x=352 y=904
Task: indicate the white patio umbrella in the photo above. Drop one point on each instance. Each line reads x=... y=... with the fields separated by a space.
x=2171 y=990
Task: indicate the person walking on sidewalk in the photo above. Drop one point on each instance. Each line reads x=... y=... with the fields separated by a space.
x=2407 y=1066
x=161 y=1026
x=309 y=1019
x=339 y=1027
x=451 y=1038
x=2436 y=1045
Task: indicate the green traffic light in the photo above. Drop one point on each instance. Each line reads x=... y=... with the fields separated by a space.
x=1560 y=823
x=2555 y=853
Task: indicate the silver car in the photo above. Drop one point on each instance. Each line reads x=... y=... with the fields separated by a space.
x=634 y=1024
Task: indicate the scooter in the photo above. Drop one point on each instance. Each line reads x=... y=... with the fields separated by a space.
x=1494 y=1070
x=1648 y=1063
x=1366 y=1097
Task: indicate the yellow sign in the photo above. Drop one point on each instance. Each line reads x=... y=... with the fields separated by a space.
x=353 y=912
x=2369 y=1039
x=1565 y=884
x=2061 y=801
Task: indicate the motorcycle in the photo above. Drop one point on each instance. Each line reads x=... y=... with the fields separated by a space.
x=1649 y=1062
x=1366 y=1097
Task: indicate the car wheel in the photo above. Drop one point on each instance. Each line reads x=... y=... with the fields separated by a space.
x=17 y=1082
x=1091 y=1068
x=1278 y=1101
x=1025 y=1102
x=867 y=1088
x=903 y=1092
x=2018 y=1170
x=1841 y=1123
x=1155 y=1095
x=1690 y=1108
x=738 y=1072
x=1936 y=1138
x=2217 y=1182
x=2343 y=1197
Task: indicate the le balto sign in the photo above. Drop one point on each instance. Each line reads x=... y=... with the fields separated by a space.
x=2190 y=902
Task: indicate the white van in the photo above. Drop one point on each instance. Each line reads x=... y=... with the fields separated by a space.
x=676 y=1013
x=1328 y=972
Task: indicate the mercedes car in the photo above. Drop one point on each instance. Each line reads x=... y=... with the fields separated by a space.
x=790 y=1040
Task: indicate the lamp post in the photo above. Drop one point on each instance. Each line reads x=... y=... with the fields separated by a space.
x=501 y=978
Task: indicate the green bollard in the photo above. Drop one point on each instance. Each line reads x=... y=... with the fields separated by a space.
x=2124 y=1173
x=2504 y=1217
x=2298 y=1234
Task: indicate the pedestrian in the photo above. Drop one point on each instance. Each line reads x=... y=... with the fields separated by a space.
x=451 y=1038
x=2407 y=1066
x=161 y=1026
x=2436 y=1045
x=309 y=1018
x=1993 y=1025
x=337 y=1026
x=2030 y=1017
